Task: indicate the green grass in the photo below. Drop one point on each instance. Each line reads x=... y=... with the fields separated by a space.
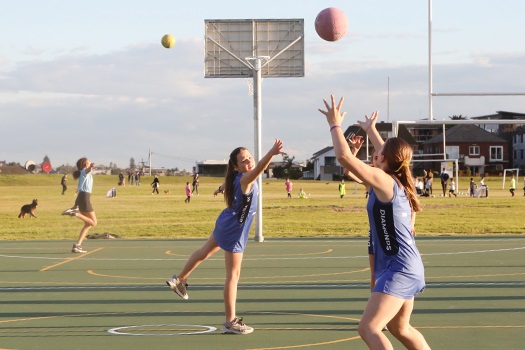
x=135 y=213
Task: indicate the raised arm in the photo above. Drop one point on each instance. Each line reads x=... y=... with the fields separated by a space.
x=250 y=176
x=371 y=176
x=355 y=143
x=369 y=126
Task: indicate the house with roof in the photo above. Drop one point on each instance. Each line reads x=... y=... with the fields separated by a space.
x=518 y=147
x=509 y=132
x=477 y=150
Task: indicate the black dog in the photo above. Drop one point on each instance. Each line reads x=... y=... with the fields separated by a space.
x=28 y=209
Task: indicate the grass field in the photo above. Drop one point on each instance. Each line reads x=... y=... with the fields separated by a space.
x=135 y=213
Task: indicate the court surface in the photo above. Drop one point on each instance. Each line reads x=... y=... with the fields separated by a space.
x=296 y=293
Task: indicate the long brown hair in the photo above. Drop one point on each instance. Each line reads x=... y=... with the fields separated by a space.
x=398 y=154
x=81 y=164
x=231 y=173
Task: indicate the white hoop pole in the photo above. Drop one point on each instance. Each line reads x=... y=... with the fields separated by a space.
x=257 y=114
x=430 y=91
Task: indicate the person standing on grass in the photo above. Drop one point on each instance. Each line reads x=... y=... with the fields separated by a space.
x=155 y=184
x=63 y=182
x=452 y=188
x=188 y=193
x=444 y=180
x=195 y=183
x=231 y=230
x=398 y=268
x=429 y=179
x=512 y=185
x=289 y=187
x=83 y=208
x=342 y=188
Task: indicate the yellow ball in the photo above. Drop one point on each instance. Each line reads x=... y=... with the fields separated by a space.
x=168 y=41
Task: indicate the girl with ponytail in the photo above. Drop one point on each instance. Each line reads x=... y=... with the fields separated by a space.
x=398 y=268
x=83 y=208
x=231 y=230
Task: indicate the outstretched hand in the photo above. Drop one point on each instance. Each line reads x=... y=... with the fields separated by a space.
x=276 y=148
x=369 y=122
x=355 y=142
x=333 y=114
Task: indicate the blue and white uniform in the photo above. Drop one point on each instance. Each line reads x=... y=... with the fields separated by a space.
x=233 y=224
x=398 y=268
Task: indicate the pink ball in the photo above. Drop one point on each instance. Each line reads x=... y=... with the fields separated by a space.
x=331 y=24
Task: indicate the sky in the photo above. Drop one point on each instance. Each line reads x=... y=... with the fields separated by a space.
x=90 y=78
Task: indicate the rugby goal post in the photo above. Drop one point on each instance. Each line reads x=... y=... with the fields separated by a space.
x=516 y=170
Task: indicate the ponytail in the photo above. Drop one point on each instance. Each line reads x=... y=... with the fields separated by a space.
x=231 y=174
x=398 y=155
x=81 y=164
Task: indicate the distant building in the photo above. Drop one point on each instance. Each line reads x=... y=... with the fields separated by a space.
x=476 y=149
x=518 y=146
x=211 y=167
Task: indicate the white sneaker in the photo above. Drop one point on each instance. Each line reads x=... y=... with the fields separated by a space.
x=178 y=287
x=71 y=212
x=78 y=249
x=236 y=327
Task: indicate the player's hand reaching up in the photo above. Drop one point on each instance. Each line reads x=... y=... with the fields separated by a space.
x=277 y=148
x=355 y=142
x=333 y=113
x=369 y=123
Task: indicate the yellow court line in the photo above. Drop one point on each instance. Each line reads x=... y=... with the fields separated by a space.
x=309 y=345
x=168 y=252
x=91 y=272
x=69 y=260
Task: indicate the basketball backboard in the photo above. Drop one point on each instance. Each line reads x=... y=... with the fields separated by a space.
x=228 y=44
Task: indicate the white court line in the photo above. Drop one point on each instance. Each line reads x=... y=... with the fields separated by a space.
x=260 y=259
x=206 y=329
x=260 y=286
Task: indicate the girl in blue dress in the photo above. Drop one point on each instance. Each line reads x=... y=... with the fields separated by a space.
x=231 y=230
x=398 y=269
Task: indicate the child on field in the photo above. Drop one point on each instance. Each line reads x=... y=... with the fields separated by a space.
x=452 y=188
x=342 y=188
x=289 y=185
x=231 y=230
x=302 y=194
x=188 y=193
x=512 y=185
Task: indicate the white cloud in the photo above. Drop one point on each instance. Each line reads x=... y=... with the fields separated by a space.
x=119 y=105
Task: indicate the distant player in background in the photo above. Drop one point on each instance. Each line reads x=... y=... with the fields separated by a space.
x=452 y=188
x=188 y=193
x=342 y=188
x=195 y=183
x=289 y=187
x=231 y=230
x=444 y=176
x=512 y=185
x=63 y=182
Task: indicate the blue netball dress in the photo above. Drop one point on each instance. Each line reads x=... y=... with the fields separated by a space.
x=233 y=224
x=398 y=268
